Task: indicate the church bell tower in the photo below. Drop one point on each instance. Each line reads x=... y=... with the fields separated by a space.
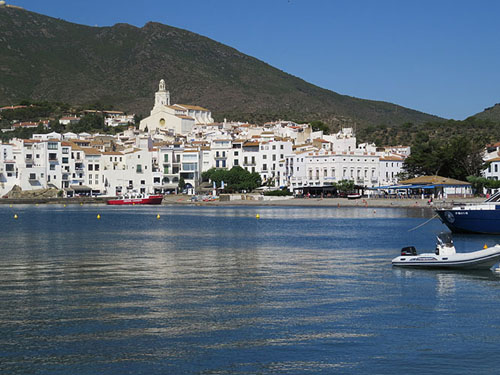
x=162 y=96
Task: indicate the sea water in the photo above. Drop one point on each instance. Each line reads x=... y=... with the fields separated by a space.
x=214 y=290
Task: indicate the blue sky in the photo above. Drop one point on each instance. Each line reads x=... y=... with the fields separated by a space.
x=440 y=57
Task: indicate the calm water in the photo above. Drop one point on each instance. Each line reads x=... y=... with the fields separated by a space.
x=216 y=291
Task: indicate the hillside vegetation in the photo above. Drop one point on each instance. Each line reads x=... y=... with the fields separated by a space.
x=44 y=58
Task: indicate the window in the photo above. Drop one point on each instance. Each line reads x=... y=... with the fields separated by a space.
x=52 y=167
x=156 y=180
x=165 y=158
x=143 y=182
x=264 y=157
x=264 y=167
x=65 y=160
x=236 y=153
x=236 y=162
x=96 y=167
x=52 y=146
x=281 y=147
x=91 y=167
x=139 y=168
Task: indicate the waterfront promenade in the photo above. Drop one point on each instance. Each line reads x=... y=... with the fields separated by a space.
x=256 y=200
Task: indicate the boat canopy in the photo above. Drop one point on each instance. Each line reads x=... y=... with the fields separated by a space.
x=494 y=198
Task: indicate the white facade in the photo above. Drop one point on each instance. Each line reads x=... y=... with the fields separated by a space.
x=176 y=119
x=390 y=169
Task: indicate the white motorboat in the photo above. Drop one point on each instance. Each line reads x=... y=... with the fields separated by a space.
x=445 y=256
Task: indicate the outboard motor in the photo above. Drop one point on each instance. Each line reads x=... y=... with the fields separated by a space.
x=409 y=250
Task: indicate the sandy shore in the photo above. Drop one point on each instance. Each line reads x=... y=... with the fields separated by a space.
x=327 y=202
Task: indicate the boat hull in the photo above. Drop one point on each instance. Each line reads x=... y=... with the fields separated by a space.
x=471 y=221
x=154 y=199
x=479 y=260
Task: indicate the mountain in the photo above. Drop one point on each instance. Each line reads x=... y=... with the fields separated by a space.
x=45 y=58
x=490 y=113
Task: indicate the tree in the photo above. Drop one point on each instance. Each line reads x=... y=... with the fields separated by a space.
x=457 y=157
x=345 y=186
x=88 y=123
x=318 y=125
x=182 y=183
x=236 y=179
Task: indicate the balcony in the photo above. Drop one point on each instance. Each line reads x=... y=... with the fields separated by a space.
x=249 y=163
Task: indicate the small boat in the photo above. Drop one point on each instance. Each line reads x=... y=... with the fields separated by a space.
x=133 y=199
x=354 y=196
x=473 y=218
x=445 y=256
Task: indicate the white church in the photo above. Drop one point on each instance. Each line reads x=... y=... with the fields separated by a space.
x=177 y=118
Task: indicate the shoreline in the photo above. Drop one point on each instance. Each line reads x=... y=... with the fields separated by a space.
x=293 y=202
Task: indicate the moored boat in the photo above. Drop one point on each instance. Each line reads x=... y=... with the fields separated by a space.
x=473 y=218
x=133 y=199
x=445 y=256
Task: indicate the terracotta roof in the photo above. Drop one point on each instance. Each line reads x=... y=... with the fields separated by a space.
x=431 y=180
x=250 y=144
x=184 y=117
x=391 y=158
x=91 y=151
x=13 y=107
x=194 y=107
x=112 y=153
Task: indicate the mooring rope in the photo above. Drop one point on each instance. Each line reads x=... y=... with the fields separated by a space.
x=421 y=225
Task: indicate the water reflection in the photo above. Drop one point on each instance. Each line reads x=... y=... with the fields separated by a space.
x=214 y=290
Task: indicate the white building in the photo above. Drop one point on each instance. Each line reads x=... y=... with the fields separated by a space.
x=177 y=118
x=391 y=168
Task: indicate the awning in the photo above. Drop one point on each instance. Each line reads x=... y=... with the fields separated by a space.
x=78 y=188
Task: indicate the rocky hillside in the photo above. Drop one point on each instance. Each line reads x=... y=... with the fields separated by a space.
x=44 y=58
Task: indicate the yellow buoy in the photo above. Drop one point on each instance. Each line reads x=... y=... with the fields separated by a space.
x=10 y=206
x=158 y=216
x=81 y=204
x=257 y=216
x=98 y=217
x=64 y=205
x=485 y=246
x=36 y=205
x=15 y=216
